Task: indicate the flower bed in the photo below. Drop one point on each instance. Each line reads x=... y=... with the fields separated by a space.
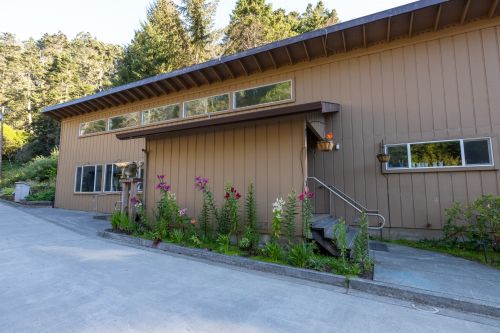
x=223 y=230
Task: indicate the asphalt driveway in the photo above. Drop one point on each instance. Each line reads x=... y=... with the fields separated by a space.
x=53 y=279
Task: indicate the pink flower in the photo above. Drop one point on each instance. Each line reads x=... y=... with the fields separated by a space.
x=200 y=183
x=182 y=212
x=160 y=178
x=163 y=187
x=237 y=195
x=306 y=194
x=227 y=195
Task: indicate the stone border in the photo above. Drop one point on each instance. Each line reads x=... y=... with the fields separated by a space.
x=24 y=203
x=421 y=296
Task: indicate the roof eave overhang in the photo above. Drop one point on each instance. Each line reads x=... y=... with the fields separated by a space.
x=400 y=22
x=235 y=118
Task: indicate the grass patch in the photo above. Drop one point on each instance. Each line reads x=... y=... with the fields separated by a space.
x=461 y=252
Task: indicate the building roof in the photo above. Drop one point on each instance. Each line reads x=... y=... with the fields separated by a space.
x=400 y=22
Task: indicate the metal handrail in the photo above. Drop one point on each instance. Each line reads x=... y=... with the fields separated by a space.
x=353 y=203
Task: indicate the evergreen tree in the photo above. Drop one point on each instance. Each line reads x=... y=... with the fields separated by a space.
x=159 y=45
x=199 y=22
x=316 y=18
x=251 y=25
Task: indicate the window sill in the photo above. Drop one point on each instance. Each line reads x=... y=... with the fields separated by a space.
x=97 y=193
x=449 y=169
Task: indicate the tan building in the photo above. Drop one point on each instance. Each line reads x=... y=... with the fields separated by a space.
x=423 y=79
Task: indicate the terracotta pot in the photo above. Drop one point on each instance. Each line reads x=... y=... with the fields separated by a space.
x=324 y=145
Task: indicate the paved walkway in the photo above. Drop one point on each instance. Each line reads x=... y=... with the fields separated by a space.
x=437 y=272
x=56 y=280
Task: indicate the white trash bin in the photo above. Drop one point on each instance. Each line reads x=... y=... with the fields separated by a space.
x=22 y=191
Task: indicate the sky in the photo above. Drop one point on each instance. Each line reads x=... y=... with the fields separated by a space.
x=114 y=21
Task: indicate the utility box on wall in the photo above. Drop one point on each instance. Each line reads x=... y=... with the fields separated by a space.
x=22 y=191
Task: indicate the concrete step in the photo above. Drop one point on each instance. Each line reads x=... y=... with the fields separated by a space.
x=323 y=233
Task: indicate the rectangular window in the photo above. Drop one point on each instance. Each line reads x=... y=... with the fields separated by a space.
x=440 y=154
x=161 y=113
x=88 y=178
x=124 y=121
x=112 y=178
x=271 y=93
x=95 y=126
x=206 y=105
x=78 y=180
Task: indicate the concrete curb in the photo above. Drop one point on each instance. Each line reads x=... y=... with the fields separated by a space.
x=420 y=296
x=25 y=203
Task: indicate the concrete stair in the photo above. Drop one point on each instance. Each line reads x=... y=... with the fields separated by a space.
x=322 y=232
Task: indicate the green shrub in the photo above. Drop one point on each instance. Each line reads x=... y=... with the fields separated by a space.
x=195 y=241
x=41 y=169
x=273 y=251
x=300 y=254
x=223 y=243
x=13 y=141
x=7 y=192
x=120 y=222
x=245 y=243
x=473 y=225
x=177 y=236
x=47 y=194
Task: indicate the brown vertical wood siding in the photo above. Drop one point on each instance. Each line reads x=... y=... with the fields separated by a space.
x=438 y=85
x=267 y=154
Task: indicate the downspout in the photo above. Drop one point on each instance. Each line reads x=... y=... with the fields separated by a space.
x=145 y=174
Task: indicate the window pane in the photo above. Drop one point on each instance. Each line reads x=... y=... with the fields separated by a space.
x=266 y=94
x=436 y=154
x=117 y=173
x=108 y=177
x=160 y=114
x=218 y=103
x=399 y=156
x=477 y=152
x=93 y=127
x=196 y=107
x=78 y=179
x=98 y=179
x=88 y=178
x=126 y=120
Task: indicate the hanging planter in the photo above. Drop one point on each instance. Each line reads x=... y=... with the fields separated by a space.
x=326 y=143
x=383 y=157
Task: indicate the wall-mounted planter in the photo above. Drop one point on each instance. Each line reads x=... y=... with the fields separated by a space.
x=383 y=157
x=324 y=145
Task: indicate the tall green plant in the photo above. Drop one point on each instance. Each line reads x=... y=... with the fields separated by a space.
x=277 y=221
x=251 y=233
x=290 y=215
x=307 y=212
x=340 y=238
x=361 y=251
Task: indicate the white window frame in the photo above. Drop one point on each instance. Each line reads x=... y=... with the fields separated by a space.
x=162 y=106
x=292 y=95
x=464 y=165
x=81 y=178
x=139 y=113
x=106 y=126
x=105 y=174
x=206 y=105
